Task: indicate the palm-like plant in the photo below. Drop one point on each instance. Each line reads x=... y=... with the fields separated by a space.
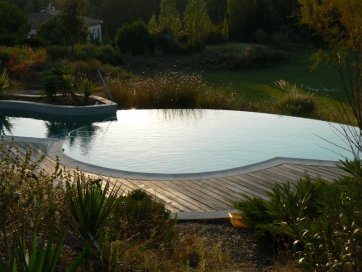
x=90 y=206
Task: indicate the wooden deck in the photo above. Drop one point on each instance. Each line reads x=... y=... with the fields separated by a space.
x=202 y=196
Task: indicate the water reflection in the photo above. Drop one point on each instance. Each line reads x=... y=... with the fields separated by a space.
x=181 y=114
x=79 y=133
x=5 y=125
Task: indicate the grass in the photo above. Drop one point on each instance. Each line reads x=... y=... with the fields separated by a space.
x=259 y=83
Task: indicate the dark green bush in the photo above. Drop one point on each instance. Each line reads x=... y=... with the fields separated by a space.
x=133 y=38
x=322 y=218
x=166 y=43
x=54 y=80
x=140 y=216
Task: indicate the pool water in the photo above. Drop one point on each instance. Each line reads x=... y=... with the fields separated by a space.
x=188 y=141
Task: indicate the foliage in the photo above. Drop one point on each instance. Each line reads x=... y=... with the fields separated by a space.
x=141 y=217
x=339 y=24
x=236 y=56
x=86 y=52
x=327 y=234
x=133 y=38
x=86 y=87
x=170 y=90
x=51 y=31
x=90 y=68
x=55 y=79
x=241 y=14
x=4 y=80
x=90 y=206
x=197 y=24
x=72 y=24
x=169 y=18
x=40 y=257
x=14 y=25
x=295 y=102
x=24 y=62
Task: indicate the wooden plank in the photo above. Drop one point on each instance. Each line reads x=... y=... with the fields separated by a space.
x=324 y=173
x=257 y=181
x=181 y=200
x=286 y=175
x=229 y=193
x=245 y=187
x=252 y=185
x=194 y=184
x=185 y=195
x=194 y=194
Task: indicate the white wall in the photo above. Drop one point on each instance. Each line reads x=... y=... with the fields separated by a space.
x=95 y=32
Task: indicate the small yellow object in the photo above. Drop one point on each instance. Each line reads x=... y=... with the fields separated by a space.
x=237 y=220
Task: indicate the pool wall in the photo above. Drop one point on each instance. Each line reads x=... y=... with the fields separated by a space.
x=105 y=107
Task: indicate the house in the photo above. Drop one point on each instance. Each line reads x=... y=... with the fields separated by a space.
x=43 y=16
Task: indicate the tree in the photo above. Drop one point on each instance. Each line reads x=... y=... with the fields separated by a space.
x=51 y=32
x=153 y=26
x=241 y=16
x=72 y=24
x=339 y=24
x=169 y=19
x=197 y=24
x=14 y=24
x=133 y=37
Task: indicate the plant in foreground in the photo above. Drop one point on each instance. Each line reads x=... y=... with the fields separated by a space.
x=90 y=206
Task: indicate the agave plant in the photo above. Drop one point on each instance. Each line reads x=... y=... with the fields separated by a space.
x=90 y=206
x=42 y=256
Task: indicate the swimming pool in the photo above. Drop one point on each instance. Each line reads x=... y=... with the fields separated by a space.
x=187 y=141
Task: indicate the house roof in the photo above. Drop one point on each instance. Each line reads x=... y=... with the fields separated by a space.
x=41 y=17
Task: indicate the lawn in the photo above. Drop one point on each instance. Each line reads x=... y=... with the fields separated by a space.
x=259 y=83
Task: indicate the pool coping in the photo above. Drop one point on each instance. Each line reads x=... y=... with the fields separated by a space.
x=107 y=107
x=54 y=151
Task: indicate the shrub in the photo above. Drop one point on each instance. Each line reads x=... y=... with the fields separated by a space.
x=90 y=207
x=235 y=56
x=327 y=234
x=295 y=102
x=4 y=80
x=90 y=68
x=55 y=79
x=166 y=43
x=133 y=38
x=86 y=87
x=143 y=217
x=23 y=63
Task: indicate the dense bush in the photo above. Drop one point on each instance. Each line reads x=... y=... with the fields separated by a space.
x=14 y=25
x=23 y=62
x=86 y=52
x=56 y=79
x=90 y=68
x=133 y=38
x=326 y=234
x=295 y=102
x=174 y=90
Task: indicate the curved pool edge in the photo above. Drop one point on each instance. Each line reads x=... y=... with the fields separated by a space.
x=107 y=107
x=55 y=150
